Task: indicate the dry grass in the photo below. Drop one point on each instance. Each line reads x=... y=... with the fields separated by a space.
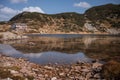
x=111 y=70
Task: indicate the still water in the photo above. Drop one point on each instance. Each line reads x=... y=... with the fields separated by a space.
x=63 y=48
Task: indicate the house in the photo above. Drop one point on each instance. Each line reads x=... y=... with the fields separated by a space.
x=19 y=27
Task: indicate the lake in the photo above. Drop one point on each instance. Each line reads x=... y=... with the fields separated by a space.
x=63 y=48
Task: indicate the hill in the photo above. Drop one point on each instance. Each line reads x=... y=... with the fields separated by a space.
x=98 y=19
x=104 y=17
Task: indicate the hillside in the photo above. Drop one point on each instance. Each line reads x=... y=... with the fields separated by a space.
x=105 y=17
x=99 y=19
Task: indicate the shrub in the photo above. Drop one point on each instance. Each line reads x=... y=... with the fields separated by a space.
x=4 y=73
x=111 y=70
x=1 y=36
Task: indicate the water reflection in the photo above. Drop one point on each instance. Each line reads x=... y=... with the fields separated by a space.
x=17 y=41
x=45 y=57
x=9 y=50
x=100 y=47
x=88 y=41
x=56 y=57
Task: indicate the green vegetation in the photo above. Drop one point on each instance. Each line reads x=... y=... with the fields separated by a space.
x=2 y=22
x=104 y=12
x=73 y=17
x=71 y=21
x=38 y=20
x=109 y=13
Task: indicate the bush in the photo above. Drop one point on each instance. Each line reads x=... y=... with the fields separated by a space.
x=111 y=70
x=4 y=73
x=1 y=36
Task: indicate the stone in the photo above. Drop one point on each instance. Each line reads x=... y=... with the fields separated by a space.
x=96 y=64
x=85 y=70
x=7 y=79
x=7 y=64
x=47 y=67
x=88 y=75
x=61 y=74
x=97 y=76
x=78 y=62
x=53 y=78
x=13 y=72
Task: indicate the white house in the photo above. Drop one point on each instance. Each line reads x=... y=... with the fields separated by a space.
x=19 y=26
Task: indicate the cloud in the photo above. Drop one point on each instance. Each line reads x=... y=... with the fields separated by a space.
x=6 y=10
x=6 y=13
x=18 y=1
x=82 y=5
x=33 y=9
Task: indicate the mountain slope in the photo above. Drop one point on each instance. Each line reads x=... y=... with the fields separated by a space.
x=64 y=22
x=99 y=19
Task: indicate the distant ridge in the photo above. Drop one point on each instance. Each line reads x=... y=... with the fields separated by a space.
x=98 y=19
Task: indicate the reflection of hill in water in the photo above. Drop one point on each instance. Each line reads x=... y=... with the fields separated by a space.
x=69 y=45
x=9 y=50
x=57 y=57
x=40 y=44
x=92 y=46
x=44 y=57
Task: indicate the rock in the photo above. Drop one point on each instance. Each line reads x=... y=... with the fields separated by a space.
x=78 y=62
x=61 y=74
x=7 y=79
x=13 y=72
x=7 y=64
x=81 y=78
x=53 y=78
x=77 y=68
x=96 y=65
x=48 y=67
x=36 y=70
x=89 y=75
x=97 y=76
x=31 y=43
x=46 y=75
x=85 y=70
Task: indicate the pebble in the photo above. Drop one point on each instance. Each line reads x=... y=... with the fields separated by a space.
x=54 y=78
x=81 y=71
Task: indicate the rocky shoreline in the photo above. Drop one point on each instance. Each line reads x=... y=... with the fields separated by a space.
x=21 y=69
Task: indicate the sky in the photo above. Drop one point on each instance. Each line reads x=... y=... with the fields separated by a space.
x=9 y=8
